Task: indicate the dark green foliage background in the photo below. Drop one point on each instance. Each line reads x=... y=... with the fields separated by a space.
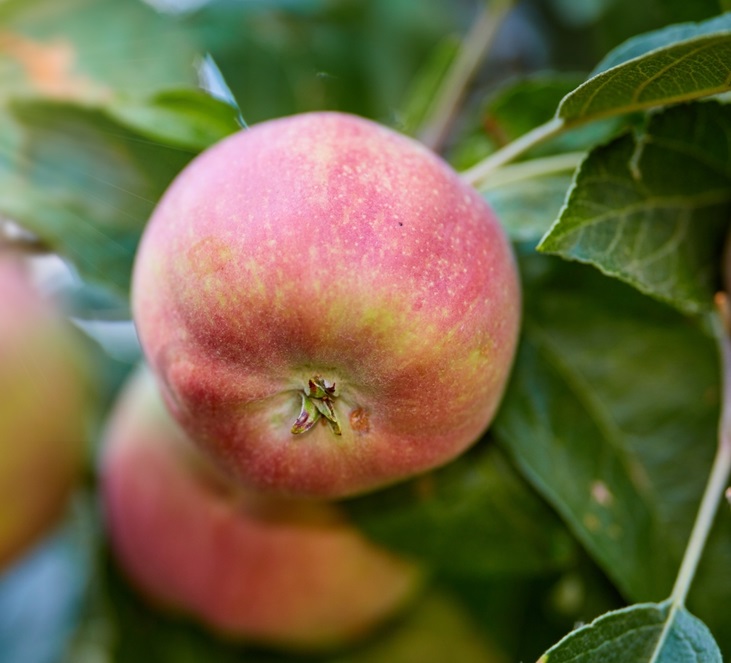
x=581 y=497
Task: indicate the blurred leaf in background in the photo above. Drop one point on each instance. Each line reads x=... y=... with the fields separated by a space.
x=42 y=596
x=285 y=57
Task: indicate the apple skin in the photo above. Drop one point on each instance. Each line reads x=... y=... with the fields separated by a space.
x=326 y=246
x=290 y=574
x=44 y=408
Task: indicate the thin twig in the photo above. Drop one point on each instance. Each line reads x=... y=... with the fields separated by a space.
x=474 y=47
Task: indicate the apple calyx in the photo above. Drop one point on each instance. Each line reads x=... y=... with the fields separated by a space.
x=317 y=402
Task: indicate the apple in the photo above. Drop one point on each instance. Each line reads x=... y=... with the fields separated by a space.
x=43 y=411
x=292 y=574
x=327 y=306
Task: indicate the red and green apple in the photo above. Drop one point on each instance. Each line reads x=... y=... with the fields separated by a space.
x=327 y=307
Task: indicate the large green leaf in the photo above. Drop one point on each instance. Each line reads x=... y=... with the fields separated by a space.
x=653 y=209
x=82 y=183
x=661 y=71
x=475 y=517
x=647 y=633
x=581 y=467
x=611 y=413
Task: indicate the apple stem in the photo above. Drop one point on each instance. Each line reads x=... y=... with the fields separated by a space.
x=317 y=403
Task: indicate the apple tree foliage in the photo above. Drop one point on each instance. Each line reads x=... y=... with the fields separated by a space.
x=612 y=448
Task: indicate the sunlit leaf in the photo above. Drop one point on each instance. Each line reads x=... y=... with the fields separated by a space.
x=662 y=71
x=181 y=118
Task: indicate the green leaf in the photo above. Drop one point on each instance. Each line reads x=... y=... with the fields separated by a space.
x=646 y=633
x=653 y=209
x=668 y=36
x=581 y=468
x=611 y=413
x=652 y=379
x=662 y=72
x=82 y=183
x=479 y=501
x=182 y=118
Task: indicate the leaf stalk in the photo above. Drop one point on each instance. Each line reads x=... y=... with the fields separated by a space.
x=526 y=170
x=512 y=150
x=717 y=481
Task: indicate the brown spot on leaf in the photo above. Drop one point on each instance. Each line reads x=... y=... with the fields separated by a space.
x=601 y=494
